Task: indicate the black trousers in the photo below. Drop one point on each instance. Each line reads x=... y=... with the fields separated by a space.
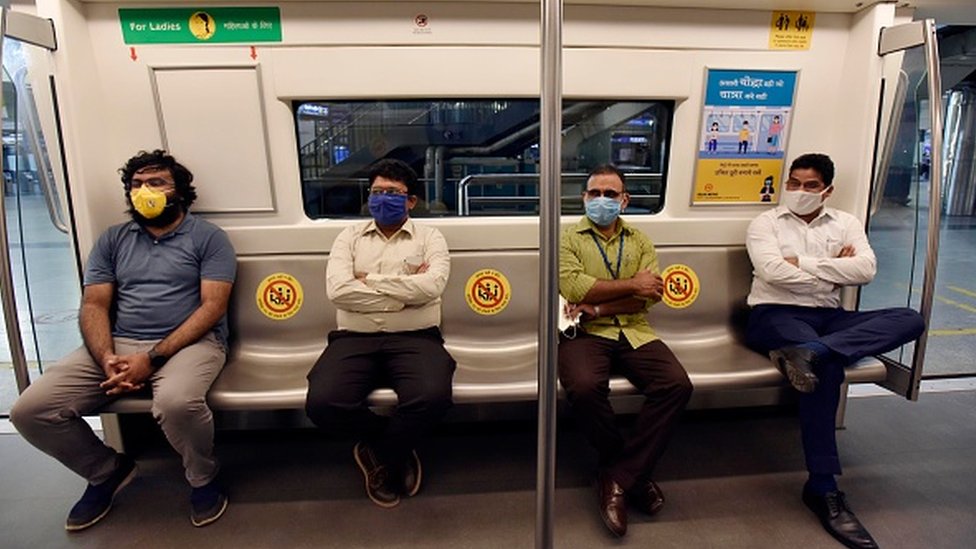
x=414 y=364
x=585 y=366
x=851 y=336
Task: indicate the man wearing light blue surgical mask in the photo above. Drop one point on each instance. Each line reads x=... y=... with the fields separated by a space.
x=608 y=274
x=802 y=253
x=385 y=278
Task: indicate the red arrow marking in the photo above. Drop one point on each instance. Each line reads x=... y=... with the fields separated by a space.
x=132 y=54
x=254 y=53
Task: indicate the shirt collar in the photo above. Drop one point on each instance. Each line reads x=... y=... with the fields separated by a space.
x=407 y=227
x=585 y=224
x=782 y=211
x=183 y=227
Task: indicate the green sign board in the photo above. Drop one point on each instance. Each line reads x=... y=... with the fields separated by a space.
x=200 y=25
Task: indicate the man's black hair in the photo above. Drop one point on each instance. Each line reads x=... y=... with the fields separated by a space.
x=820 y=163
x=397 y=170
x=609 y=169
x=158 y=159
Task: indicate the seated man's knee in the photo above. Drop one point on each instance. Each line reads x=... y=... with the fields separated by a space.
x=173 y=406
x=324 y=405
x=912 y=321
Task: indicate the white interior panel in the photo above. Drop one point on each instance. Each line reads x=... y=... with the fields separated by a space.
x=212 y=119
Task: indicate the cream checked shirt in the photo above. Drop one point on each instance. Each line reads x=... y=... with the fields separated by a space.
x=393 y=298
x=778 y=233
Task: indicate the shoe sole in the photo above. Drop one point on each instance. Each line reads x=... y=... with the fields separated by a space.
x=416 y=487
x=125 y=482
x=362 y=467
x=801 y=381
x=213 y=518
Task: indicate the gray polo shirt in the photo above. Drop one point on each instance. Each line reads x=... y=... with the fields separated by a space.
x=157 y=281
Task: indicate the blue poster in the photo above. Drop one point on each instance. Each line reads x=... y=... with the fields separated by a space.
x=745 y=119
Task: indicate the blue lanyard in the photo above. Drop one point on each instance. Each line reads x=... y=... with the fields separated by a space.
x=606 y=260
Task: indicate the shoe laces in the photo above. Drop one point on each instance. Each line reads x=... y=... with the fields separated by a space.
x=837 y=503
x=378 y=476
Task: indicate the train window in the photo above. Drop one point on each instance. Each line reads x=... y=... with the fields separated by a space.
x=477 y=157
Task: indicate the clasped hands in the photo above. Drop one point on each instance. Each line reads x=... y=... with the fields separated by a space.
x=125 y=373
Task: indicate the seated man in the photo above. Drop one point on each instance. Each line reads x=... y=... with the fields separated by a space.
x=153 y=314
x=608 y=274
x=385 y=277
x=802 y=254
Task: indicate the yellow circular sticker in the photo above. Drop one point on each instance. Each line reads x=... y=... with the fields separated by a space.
x=279 y=296
x=202 y=25
x=487 y=292
x=681 y=286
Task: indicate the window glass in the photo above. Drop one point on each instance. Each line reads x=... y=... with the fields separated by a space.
x=477 y=157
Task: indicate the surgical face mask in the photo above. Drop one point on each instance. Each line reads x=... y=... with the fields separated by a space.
x=602 y=210
x=150 y=203
x=388 y=209
x=802 y=202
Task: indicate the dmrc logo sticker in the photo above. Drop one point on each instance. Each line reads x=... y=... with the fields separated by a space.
x=681 y=286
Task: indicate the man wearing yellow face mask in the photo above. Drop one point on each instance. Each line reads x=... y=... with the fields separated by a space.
x=153 y=315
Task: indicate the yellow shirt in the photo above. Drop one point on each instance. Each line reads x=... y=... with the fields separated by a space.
x=581 y=264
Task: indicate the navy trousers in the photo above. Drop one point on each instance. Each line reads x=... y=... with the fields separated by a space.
x=850 y=336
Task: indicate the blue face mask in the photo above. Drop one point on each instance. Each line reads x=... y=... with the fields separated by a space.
x=388 y=209
x=602 y=210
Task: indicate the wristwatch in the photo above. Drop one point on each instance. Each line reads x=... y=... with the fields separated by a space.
x=156 y=360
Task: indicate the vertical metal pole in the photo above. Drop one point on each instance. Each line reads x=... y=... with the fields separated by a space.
x=935 y=200
x=549 y=201
x=10 y=319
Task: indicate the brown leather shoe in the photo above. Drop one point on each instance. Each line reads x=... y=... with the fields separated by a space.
x=613 y=507
x=647 y=496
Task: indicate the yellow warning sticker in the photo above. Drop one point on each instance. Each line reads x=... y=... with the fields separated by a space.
x=681 y=286
x=279 y=296
x=487 y=292
x=791 y=30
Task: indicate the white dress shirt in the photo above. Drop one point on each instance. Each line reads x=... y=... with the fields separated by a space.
x=778 y=233
x=393 y=297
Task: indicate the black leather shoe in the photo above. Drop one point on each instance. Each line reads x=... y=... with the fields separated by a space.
x=647 y=496
x=838 y=519
x=412 y=475
x=377 y=475
x=796 y=363
x=613 y=508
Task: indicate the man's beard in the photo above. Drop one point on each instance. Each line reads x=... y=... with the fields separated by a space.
x=168 y=215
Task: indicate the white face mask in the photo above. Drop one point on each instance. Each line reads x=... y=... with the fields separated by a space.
x=802 y=202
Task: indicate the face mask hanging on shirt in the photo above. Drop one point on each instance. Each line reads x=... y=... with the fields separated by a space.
x=602 y=210
x=802 y=202
x=388 y=209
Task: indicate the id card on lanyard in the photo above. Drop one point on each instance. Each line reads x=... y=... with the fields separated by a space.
x=606 y=260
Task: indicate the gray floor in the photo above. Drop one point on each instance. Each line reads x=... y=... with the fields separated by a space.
x=732 y=479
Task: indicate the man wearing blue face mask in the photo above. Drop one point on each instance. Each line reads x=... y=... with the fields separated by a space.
x=385 y=277
x=802 y=253
x=608 y=274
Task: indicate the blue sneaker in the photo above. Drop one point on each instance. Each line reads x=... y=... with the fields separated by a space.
x=207 y=503
x=97 y=499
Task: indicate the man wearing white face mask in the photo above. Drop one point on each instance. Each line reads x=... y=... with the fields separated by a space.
x=802 y=253
x=608 y=273
x=153 y=316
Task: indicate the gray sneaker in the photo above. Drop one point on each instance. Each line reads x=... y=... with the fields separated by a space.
x=96 y=502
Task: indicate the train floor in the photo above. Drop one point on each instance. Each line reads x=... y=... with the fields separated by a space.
x=732 y=479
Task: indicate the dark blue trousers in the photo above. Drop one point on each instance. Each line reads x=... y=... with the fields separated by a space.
x=850 y=336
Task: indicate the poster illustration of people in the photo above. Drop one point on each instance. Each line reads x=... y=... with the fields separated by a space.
x=745 y=121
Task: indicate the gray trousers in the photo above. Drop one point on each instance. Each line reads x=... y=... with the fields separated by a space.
x=49 y=413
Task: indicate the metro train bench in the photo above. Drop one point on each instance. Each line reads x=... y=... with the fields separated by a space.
x=496 y=354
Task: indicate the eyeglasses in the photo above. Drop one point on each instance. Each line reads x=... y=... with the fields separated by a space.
x=811 y=185
x=596 y=193
x=377 y=192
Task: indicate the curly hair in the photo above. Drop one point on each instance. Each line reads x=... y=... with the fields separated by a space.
x=158 y=159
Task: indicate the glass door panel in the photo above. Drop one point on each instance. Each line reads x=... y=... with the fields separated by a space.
x=45 y=283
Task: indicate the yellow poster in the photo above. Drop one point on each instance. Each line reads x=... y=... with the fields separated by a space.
x=739 y=180
x=791 y=30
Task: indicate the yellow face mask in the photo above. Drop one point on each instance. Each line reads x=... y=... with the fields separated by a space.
x=148 y=202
